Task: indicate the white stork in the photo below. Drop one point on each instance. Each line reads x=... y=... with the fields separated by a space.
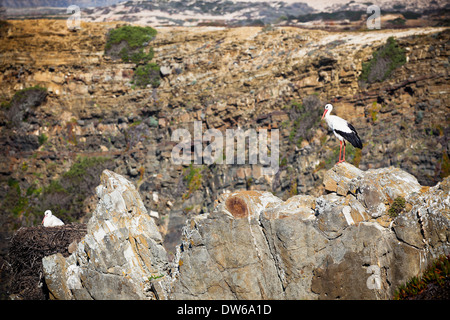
x=50 y=220
x=342 y=130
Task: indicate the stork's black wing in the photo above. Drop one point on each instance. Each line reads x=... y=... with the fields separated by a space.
x=352 y=137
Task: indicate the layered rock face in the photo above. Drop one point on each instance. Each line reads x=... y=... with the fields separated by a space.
x=253 y=245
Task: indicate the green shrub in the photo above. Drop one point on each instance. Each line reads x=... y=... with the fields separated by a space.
x=327 y=16
x=22 y=94
x=194 y=180
x=18 y=203
x=42 y=139
x=147 y=74
x=128 y=43
x=397 y=206
x=411 y=15
x=54 y=187
x=124 y=54
x=140 y=56
x=398 y=21
x=134 y=36
x=84 y=175
x=385 y=60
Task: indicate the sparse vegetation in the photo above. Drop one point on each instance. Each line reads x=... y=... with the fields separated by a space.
x=129 y=43
x=304 y=116
x=357 y=157
x=445 y=165
x=374 y=109
x=293 y=190
x=437 y=275
x=135 y=37
x=155 y=277
x=21 y=104
x=385 y=60
x=42 y=139
x=15 y=200
x=147 y=74
x=353 y=154
x=193 y=179
x=64 y=196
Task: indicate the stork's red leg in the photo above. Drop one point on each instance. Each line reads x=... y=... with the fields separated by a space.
x=340 y=150
x=344 y=153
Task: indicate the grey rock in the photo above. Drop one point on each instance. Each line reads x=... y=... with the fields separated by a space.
x=165 y=70
x=331 y=222
x=407 y=229
x=332 y=247
x=372 y=199
x=225 y=255
x=256 y=246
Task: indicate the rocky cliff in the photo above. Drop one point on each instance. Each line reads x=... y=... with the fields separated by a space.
x=345 y=244
x=93 y=117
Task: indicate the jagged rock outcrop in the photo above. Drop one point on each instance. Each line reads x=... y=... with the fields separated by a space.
x=119 y=255
x=341 y=245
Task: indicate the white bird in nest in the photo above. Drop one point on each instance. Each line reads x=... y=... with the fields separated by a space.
x=50 y=220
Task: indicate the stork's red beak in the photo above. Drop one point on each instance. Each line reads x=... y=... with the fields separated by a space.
x=324 y=113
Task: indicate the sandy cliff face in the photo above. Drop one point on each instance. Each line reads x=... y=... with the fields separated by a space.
x=246 y=77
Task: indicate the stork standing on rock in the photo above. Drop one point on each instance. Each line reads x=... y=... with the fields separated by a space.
x=50 y=220
x=342 y=130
